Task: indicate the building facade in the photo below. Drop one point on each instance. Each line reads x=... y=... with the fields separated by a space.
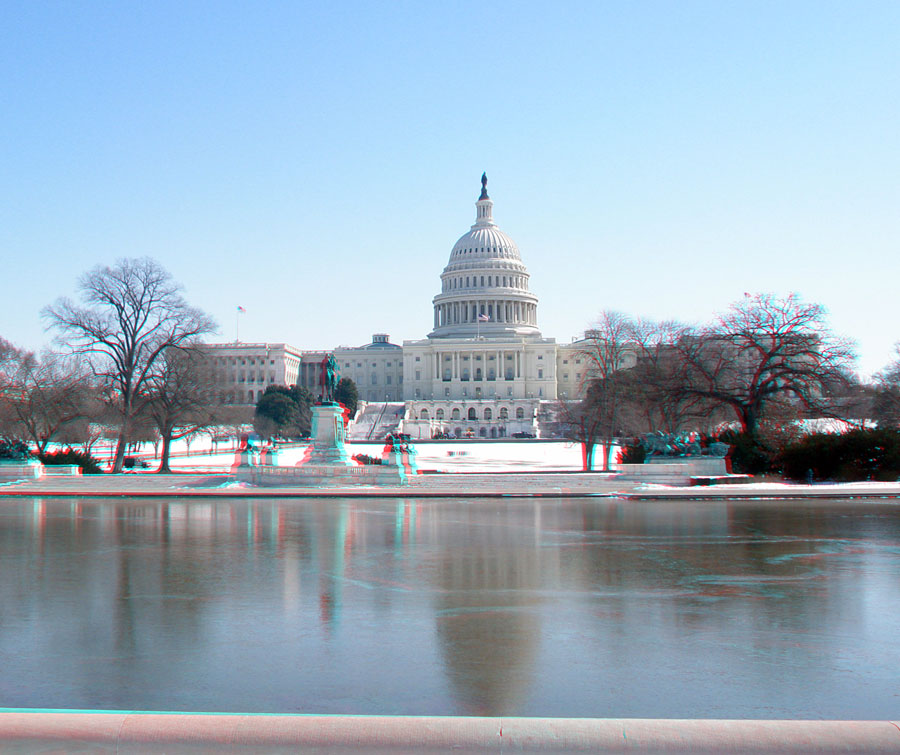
x=483 y=370
x=242 y=371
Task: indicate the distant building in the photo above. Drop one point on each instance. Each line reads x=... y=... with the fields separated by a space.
x=243 y=370
x=376 y=368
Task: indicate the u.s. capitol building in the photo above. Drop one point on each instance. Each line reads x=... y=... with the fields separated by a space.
x=484 y=370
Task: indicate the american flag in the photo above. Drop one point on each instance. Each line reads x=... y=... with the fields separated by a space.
x=484 y=318
x=241 y=309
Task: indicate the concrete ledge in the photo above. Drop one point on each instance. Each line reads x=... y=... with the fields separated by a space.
x=21 y=471
x=61 y=470
x=131 y=732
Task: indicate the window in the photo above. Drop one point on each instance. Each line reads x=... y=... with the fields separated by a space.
x=540 y=374
x=504 y=413
x=423 y=414
x=454 y=414
x=374 y=379
x=388 y=380
x=520 y=413
x=439 y=414
x=471 y=412
x=418 y=374
x=418 y=359
x=488 y=414
x=447 y=392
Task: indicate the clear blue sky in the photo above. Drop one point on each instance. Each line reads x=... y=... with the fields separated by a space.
x=315 y=162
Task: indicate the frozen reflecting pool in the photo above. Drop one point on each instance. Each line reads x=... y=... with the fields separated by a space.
x=590 y=607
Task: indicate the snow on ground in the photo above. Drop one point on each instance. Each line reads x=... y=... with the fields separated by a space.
x=460 y=456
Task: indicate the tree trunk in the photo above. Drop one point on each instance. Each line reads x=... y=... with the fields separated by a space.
x=587 y=455
x=607 y=451
x=166 y=443
x=120 y=452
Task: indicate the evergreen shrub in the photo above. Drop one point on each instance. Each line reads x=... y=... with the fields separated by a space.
x=855 y=455
x=88 y=464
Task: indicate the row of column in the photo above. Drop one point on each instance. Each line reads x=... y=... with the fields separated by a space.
x=496 y=281
x=456 y=362
x=517 y=312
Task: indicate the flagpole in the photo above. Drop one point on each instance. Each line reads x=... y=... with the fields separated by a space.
x=239 y=310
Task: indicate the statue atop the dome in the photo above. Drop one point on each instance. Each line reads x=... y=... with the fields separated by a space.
x=484 y=194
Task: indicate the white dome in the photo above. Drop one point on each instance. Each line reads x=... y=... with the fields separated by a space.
x=484 y=287
x=486 y=241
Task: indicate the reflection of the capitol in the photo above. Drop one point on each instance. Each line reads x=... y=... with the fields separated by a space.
x=488 y=582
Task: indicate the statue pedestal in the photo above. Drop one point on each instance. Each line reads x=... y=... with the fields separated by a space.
x=669 y=470
x=328 y=435
x=329 y=463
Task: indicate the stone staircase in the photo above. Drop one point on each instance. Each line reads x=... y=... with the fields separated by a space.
x=376 y=420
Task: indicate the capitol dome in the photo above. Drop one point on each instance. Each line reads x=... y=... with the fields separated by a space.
x=484 y=287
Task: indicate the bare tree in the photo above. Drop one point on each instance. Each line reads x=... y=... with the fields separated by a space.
x=761 y=350
x=131 y=313
x=180 y=397
x=886 y=394
x=608 y=350
x=41 y=396
x=658 y=377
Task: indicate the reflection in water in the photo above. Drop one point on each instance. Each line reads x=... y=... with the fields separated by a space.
x=488 y=581
x=511 y=607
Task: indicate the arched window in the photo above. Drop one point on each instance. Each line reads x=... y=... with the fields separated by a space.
x=454 y=414
x=488 y=414
x=472 y=412
x=482 y=432
x=504 y=413
x=520 y=413
x=423 y=414
x=439 y=414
